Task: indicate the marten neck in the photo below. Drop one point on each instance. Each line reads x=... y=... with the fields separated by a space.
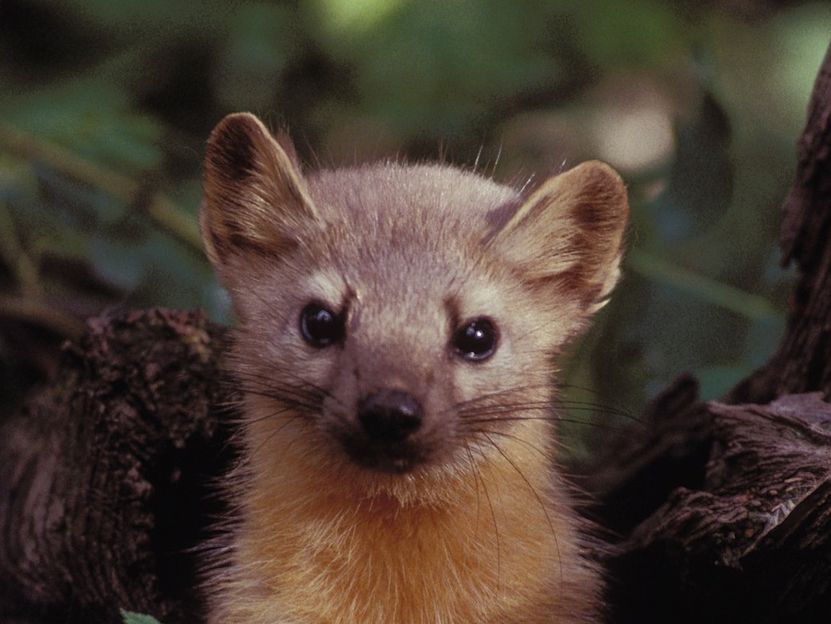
x=498 y=523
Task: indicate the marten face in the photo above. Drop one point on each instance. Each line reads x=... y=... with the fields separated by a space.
x=401 y=319
x=399 y=337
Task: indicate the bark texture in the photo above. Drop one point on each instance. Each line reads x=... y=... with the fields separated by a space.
x=105 y=478
x=724 y=509
x=743 y=532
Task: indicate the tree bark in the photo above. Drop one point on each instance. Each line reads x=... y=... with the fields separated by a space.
x=803 y=361
x=106 y=477
x=724 y=509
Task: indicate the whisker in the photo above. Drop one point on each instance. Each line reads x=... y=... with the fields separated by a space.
x=283 y=372
x=468 y=408
x=601 y=407
x=286 y=400
x=505 y=434
x=303 y=386
x=476 y=477
x=506 y=408
x=273 y=414
x=271 y=435
x=536 y=495
x=286 y=394
x=513 y=390
x=496 y=534
x=598 y=408
x=290 y=402
x=554 y=419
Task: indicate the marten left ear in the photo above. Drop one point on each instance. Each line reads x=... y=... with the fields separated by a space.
x=569 y=233
x=255 y=197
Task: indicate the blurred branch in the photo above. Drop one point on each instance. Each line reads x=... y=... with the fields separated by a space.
x=158 y=207
x=37 y=313
x=20 y=263
x=707 y=289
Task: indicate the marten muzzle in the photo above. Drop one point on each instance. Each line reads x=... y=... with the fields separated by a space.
x=385 y=434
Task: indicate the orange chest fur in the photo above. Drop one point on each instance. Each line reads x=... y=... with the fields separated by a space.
x=495 y=551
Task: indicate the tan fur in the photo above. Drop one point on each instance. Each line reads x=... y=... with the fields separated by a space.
x=483 y=529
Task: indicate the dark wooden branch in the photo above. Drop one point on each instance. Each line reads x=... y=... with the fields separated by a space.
x=104 y=478
x=751 y=542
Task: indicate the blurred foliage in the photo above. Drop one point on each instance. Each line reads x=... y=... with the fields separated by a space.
x=130 y=617
x=105 y=106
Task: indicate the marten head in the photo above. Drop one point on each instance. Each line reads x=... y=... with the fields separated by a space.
x=400 y=320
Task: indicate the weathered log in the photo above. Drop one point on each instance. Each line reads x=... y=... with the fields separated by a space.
x=106 y=477
x=724 y=509
x=752 y=542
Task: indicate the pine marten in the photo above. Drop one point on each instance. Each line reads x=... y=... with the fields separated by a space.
x=397 y=326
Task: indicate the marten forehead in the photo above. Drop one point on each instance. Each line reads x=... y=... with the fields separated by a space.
x=452 y=293
x=418 y=198
x=406 y=235
x=398 y=272
x=401 y=264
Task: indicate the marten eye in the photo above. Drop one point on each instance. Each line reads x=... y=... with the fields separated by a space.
x=319 y=326
x=476 y=339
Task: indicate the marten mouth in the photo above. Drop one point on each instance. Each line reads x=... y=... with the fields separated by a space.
x=398 y=458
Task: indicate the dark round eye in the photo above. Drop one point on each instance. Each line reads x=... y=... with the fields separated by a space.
x=319 y=326
x=476 y=339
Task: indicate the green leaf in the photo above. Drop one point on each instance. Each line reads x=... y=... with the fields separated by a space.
x=137 y=618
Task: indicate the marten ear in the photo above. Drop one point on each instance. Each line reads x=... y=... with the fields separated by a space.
x=569 y=233
x=254 y=193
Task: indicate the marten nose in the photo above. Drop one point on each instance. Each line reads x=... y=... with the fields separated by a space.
x=389 y=415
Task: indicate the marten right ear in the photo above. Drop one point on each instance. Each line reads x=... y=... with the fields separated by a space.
x=254 y=193
x=569 y=234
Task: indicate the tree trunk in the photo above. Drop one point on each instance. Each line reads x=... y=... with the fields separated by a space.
x=803 y=360
x=725 y=508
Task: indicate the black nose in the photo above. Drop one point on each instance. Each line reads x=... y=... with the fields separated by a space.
x=389 y=415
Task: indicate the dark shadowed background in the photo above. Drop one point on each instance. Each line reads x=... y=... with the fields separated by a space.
x=105 y=106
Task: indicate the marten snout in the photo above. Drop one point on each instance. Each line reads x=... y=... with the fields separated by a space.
x=388 y=433
x=389 y=416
